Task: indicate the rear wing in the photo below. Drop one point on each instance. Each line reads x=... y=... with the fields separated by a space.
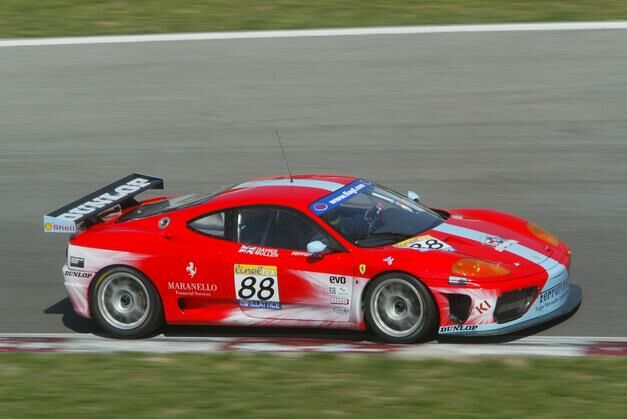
x=68 y=218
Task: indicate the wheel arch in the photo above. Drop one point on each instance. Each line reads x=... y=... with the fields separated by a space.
x=104 y=270
x=396 y=271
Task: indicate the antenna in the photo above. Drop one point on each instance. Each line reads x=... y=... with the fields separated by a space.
x=284 y=156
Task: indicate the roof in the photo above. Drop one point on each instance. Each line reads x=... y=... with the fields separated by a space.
x=299 y=193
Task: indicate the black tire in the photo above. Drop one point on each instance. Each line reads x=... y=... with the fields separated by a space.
x=406 y=313
x=125 y=304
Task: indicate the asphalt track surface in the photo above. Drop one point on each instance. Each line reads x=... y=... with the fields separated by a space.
x=532 y=123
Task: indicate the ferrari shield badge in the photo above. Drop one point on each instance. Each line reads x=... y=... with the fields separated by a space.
x=362 y=269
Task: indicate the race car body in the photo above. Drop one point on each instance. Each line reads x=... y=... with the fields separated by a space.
x=312 y=251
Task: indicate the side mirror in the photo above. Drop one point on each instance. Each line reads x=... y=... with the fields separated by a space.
x=316 y=247
x=413 y=196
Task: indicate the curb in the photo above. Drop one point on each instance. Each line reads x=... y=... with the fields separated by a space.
x=529 y=346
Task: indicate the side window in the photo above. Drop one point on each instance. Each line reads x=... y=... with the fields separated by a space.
x=212 y=224
x=253 y=225
x=293 y=231
x=277 y=228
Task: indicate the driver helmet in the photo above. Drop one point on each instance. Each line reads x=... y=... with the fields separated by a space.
x=333 y=217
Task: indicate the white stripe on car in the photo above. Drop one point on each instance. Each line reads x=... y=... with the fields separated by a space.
x=303 y=183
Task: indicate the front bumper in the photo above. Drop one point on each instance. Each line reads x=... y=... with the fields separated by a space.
x=572 y=302
x=557 y=298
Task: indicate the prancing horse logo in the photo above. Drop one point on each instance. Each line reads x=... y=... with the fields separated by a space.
x=191 y=269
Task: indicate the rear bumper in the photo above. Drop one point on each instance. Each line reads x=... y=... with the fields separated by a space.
x=76 y=284
x=556 y=298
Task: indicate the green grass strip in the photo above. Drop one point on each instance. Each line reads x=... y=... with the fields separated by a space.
x=28 y=18
x=311 y=386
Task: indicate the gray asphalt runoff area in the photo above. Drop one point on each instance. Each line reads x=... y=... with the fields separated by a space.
x=530 y=123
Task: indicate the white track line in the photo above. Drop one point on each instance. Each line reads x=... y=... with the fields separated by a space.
x=385 y=30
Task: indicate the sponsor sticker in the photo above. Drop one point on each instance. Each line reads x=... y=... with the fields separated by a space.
x=337 y=279
x=553 y=296
x=77 y=262
x=300 y=253
x=467 y=328
x=105 y=199
x=492 y=241
x=499 y=244
x=192 y=289
x=321 y=207
x=425 y=243
x=341 y=310
x=335 y=199
x=339 y=301
x=68 y=273
x=257 y=286
x=483 y=307
x=259 y=251
x=553 y=292
x=338 y=290
x=270 y=305
x=55 y=225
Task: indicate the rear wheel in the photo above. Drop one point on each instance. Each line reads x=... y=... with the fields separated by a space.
x=400 y=309
x=126 y=304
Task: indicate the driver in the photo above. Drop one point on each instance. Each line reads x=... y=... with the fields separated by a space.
x=351 y=226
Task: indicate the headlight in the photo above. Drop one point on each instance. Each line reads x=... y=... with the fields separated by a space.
x=543 y=235
x=477 y=268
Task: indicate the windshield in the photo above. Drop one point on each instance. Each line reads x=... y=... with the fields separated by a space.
x=167 y=205
x=371 y=215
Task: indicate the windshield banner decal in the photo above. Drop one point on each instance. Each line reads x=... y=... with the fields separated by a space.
x=340 y=196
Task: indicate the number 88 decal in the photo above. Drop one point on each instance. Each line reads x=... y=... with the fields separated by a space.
x=248 y=290
x=425 y=243
x=432 y=244
x=256 y=283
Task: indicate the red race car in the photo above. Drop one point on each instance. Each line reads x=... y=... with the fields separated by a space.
x=319 y=251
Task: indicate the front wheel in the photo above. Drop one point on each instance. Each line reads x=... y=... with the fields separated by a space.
x=400 y=309
x=126 y=304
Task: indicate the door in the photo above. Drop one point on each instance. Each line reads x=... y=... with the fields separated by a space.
x=274 y=276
